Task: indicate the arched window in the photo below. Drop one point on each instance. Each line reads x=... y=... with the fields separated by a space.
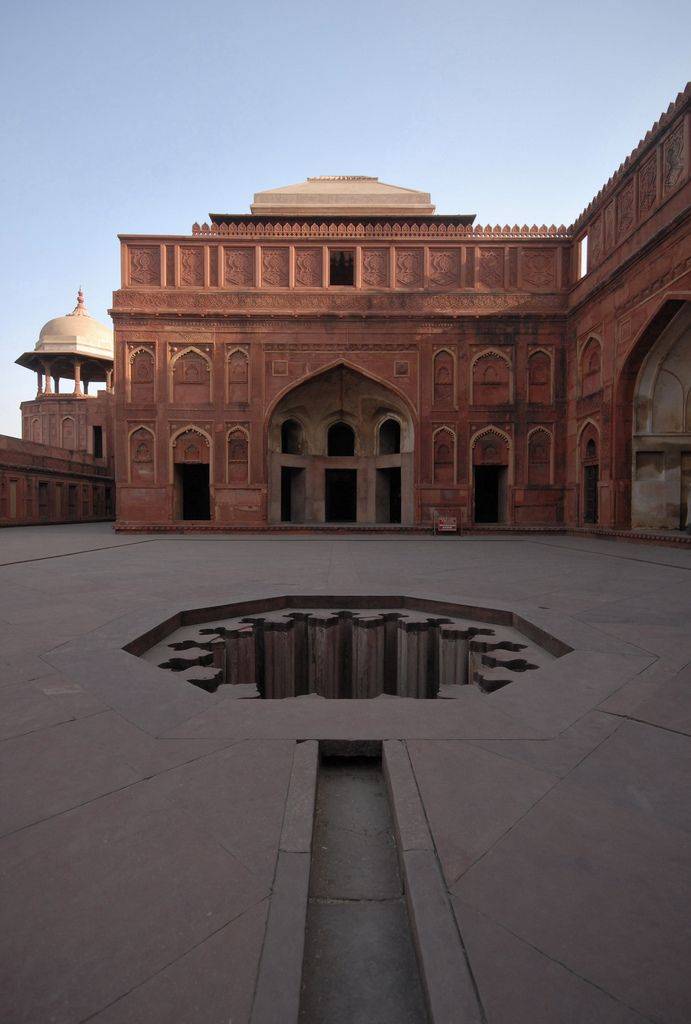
x=291 y=437
x=390 y=438
x=591 y=450
x=341 y=439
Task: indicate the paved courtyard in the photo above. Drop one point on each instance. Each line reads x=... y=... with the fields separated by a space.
x=141 y=817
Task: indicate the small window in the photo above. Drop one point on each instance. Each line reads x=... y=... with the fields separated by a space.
x=98 y=442
x=591 y=450
x=582 y=257
x=341 y=267
x=341 y=440
x=390 y=438
x=291 y=438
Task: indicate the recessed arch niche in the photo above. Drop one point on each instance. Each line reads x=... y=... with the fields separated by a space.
x=340 y=471
x=661 y=448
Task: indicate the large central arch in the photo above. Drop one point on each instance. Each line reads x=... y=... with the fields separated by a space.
x=340 y=449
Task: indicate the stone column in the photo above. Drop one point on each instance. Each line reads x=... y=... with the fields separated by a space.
x=391 y=620
x=109 y=380
x=368 y=657
x=324 y=666
x=39 y=383
x=413 y=659
x=49 y=381
x=453 y=656
x=300 y=653
x=78 y=393
x=239 y=645
x=279 y=659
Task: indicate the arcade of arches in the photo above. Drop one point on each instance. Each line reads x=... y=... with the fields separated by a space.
x=341 y=451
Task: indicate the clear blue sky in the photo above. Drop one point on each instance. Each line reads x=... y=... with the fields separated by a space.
x=123 y=116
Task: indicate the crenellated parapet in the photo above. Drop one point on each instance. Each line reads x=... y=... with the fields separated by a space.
x=439 y=227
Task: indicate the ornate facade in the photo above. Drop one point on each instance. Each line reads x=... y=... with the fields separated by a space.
x=343 y=354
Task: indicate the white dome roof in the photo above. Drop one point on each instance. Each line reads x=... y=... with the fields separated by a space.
x=76 y=333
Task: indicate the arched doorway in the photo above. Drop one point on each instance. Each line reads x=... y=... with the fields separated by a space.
x=354 y=459
x=191 y=457
x=661 y=443
x=590 y=474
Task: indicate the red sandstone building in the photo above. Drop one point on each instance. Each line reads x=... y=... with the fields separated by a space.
x=344 y=354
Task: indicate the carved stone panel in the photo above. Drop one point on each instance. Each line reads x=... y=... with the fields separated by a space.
x=673 y=158
x=539 y=268
x=445 y=267
x=238 y=451
x=275 y=267
x=375 y=268
x=491 y=270
x=145 y=264
x=409 y=268
x=625 y=209
x=238 y=267
x=308 y=268
x=191 y=265
x=142 y=376
x=595 y=242
x=142 y=456
x=539 y=458
x=647 y=185
x=444 y=456
x=610 y=222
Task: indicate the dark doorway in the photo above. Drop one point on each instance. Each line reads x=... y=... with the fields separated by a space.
x=590 y=479
x=193 y=481
x=292 y=494
x=341 y=496
x=490 y=486
x=390 y=437
x=291 y=437
x=389 y=495
x=340 y=440
x=98 y=442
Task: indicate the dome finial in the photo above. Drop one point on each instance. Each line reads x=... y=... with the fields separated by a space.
x=80 y=309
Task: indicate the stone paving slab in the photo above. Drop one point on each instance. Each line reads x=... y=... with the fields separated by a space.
x=471 y=798
x=212 y=984
x=599 y=888
x=98 y=900
x=519 y=985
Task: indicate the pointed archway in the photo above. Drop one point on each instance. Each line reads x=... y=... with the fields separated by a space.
x=341 y=472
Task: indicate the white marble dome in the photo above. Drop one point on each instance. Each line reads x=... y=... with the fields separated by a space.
x=76 y=333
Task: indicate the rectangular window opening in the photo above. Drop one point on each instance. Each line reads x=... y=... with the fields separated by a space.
x=341 y=267
x=98 y=442
x=582 y=257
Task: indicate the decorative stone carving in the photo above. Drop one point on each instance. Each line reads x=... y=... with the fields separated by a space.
x=444 y=456
x=647 y=185
x=539 y=457
x=491 y=270
x=609 y=226
x=179 y=301
x=539 y=378
x=238 y=267
x=141 y=456
x=308 y=268
x=275 y=267
x=625 y=208
x=238 y=377
x=443 y=379
x=595 y=242
x=673 y=158
x=238 y=450
x=145 y=264
x=409 y=268
x=191 y=265
x=444 y=267
x=538 y=267
x=590 y=368
x=375 y=268
x=191 y=446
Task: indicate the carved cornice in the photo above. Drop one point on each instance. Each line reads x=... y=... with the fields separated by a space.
x=172 y=302
x=322 y=229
